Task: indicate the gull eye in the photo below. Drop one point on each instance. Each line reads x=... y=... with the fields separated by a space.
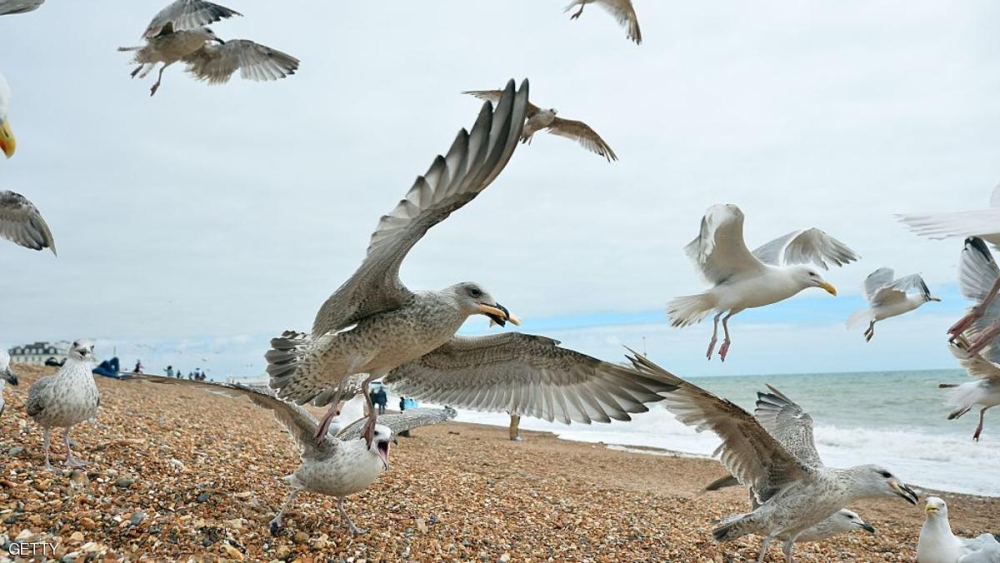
x=885 y=474
x=475 y=292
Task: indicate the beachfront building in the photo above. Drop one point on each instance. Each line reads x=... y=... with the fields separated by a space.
x=39 y=352
x=249 y=380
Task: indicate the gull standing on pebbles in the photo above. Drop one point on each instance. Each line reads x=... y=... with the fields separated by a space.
x=545 y=119
x=793 y=488
x=177 y=34
x=373 y=323
x=984 y=392
x=22 y=224
x=982 y=223
x=66 y=398
x=888 y=298
x=8 y=7
x=622 y=10
x=8 y=143
x=937 y=543
x=6 y=376
x=334 y=466
x=743 y=280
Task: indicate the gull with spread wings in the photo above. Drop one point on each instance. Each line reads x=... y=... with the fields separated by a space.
x=982 y=223
x=178 y=34
x=777 y=460
x=22 y=224
x=742 y=279
x=983 y=392
x=622 y=10
x=538 y=119
x=888 y=297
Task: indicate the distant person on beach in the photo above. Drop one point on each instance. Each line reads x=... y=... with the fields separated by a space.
x=402 y=407
x=515 y=421
x=170 y=371
x=108 y=368
x=191 y=375
x=381 y=399
x=138 y=366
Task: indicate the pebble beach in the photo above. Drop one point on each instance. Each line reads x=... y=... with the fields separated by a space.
x=179 y=474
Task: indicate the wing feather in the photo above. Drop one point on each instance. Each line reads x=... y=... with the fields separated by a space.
x=186 y=14
x=719 y=250
x=804 y=246
x=624 y=12
x=8 y=7
x=215 y=63
x=789 y=424
x=22 y=224
x=401 y=422
x=494 y=97
x=583 y=134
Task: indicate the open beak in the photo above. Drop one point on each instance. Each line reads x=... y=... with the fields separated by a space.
x=930 y=509
x=383 y=453
x=498 y=314
x=902 y=490
x=867 y=527
x=829 y=288
x=10 y=377
x=8 y=144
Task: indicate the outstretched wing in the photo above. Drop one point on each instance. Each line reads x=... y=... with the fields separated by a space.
x=804 y=246
x=977 y=274
x=719 y=250
x=897 y=290
x=22 y=224
x=984 y=223
x=752 y=455
x=215 y=63
x=8 y=7
x=623 y=11
x=406 y=420
x=789 y=424
x=877 y=280
x=186 y=14
x=528 y=375
x=471 y=164
x=583 y=134
x=494 y=96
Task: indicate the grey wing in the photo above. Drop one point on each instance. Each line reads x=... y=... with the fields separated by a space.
x=8 y=7
x=977 y=273
x=719 y=250
x=22 y=224
x=897 y=290
x=39 y=395
x=789 y=424
x=583 y=134
x=494 y=97
x=401 y=422
x=982 y=549
x=529 y=375
x=983 y=223
x=215 y=63
x=752 y=455
x=471 y=164
x=808 y=245
x=623 y=11
x=877 y=280
x=981 y=365
x=186 y=14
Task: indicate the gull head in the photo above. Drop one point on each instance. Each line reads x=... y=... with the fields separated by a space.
x=210 y=35
x=809 y=277
x=854 y=521
x=380 y=445
x=82 y=350
x=877 y=480
x=936 y=508
x=474 y=300
x=8 y=144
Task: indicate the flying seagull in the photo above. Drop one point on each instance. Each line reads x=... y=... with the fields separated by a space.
x=336 y=466
x=741 y=279
x=6 y=376
x=622 y=10
x=177 y=34
x=8 y=7
x=545 y=119
x=984 y=391
x=937 y=543
x=888 y=298
x=792 y=486
x=979 y=281
x=67 y=398
x=982 y=223
x=8 y=144
x=22 y=224
x=373 y=323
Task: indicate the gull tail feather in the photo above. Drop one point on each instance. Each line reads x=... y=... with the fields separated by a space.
x=963 y=396
x=859 y=318
x=690 y=309
x=126 y=49
x=733 y=527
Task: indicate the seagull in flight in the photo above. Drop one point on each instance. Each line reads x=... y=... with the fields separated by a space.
x=888 y=297
x=622 y=10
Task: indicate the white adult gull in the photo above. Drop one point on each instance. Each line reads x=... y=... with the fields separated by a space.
x=982 y=223
x=888 y=297
x=8 y=143
x=6 y=375
x=177 y=34
x=741 y=279
x=983 y=392
x=373 y=323
x=938 y=544
x=336 y=466
x=8 y=7
x=622 y=10
x=22 y=223
x=793 y=487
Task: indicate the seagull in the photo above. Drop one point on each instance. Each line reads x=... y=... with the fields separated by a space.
x=888 y=298
x=66 y=398
x=373 y=323
x=985 y=391
x=937 y=544
x=6 y=376
x=22 y=224
x=622 y=10
x=982 y=223
x=8 y=7
x=545 y=119
x=177 y=33
x=978 y=280
x=336 y=466
x=742 y=280
x=8 y=144
x=793 y=487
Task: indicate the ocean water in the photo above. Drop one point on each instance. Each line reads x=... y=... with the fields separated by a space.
x=895 y=419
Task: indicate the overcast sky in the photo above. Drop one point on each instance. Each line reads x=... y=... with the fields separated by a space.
x=193 y=226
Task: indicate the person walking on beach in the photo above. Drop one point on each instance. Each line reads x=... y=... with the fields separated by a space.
x=138 y=366
x=515 y=421
x=382 y=399
x=170 y=371
x=402 y=407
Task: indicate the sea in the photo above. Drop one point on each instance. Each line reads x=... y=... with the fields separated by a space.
x=894 y=419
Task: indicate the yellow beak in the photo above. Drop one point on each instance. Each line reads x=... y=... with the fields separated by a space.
x=930 y=508
x=829 y=288
x=7 y=141
x=489 y=310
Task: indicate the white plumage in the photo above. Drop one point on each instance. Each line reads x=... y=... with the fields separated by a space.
x=888 y=297
x=982 y=223
x=8 y=143
x=6 y=376
x=937 y=543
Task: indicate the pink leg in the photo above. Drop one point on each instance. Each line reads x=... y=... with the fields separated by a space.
x=979 y=429
x=324 y=426
x=725 y=343
x=984 y=338
x=715 y=337
x=976 y=313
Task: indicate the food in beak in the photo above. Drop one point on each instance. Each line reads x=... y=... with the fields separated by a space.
x=383 y=453
x=498 y=314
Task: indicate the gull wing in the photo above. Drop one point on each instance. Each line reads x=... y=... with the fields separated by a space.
x=877 y=280
x=719 y=250
x=471 y=164
x=983 y=223
x=215 y=63
x=527 y=375
x=977 y=273
x=583 y=134
x=897 y=290
x=186 y=14
x=623 y=11
x=22 y=224
x=8 y=7
x=789 y=424
x=804 y=246
x=406 y=420
x=494 y=97
x=755 y=457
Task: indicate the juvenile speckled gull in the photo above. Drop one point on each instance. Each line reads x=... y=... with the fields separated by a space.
x=65 y=399
x=983 y=392
x=938 y=544
x=741 y=279
x=177 y=34
x=335 y=466
x=373 y=323
x=8 y=143
x=22 y=224
x=982 y=223
x=979 y=281
x=545 y=119
x=8 y=7
x=793 y=487
x=622 y=10
x=6 y=375
x=888 y=298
